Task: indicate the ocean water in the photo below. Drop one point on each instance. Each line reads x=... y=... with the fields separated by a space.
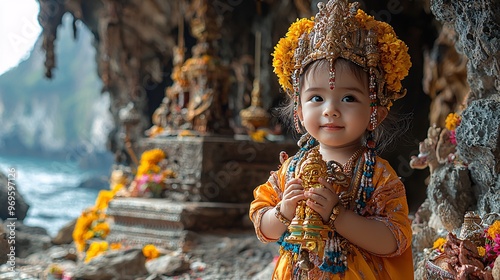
x=51 y=188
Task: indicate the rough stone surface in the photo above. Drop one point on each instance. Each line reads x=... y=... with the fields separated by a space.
x=450 y=195
x=478 y=138
x=129 y=264
x=30 y=239
x=21 y=207
x=477 y=24
x=223 y=254
x=4 y=246
x=167 y=265
x=496 y=269
x=65 y=234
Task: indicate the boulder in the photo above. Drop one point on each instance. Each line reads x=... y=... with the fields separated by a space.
x=122 y=264
x=29 y=240
x=9 y=188
x=65 y=234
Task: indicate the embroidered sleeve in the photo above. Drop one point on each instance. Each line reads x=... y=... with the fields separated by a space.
x=389 y=206
x=266 y=196
x=256 y=221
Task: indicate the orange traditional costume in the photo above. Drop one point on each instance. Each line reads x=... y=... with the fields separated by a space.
x=372 y=190
x=387 y=204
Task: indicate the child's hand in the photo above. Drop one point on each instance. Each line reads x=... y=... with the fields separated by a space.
x=294 y=192
x=322 y=200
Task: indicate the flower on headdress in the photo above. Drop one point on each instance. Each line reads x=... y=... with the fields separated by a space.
x=283 y=55
x=394 y=55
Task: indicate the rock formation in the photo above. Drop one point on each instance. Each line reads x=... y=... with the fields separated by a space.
x=469 y=179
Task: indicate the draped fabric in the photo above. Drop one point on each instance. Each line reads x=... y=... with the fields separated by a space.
x=387 y=204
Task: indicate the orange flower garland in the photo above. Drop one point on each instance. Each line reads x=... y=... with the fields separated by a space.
x=393 y=52
x=283 y=55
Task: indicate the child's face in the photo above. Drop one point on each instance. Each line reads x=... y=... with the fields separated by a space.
x=337 y=118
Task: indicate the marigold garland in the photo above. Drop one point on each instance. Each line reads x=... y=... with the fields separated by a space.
x=283 y=55
x=393 y=52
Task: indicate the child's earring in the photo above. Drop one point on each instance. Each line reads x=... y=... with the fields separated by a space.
x=373 y=120
x=370 y=143
x=296 y=122
x=296 y=99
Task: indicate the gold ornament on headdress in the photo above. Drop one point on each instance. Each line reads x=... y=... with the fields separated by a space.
x=342 y=30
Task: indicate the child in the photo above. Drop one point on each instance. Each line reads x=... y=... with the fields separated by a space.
x=341 y=71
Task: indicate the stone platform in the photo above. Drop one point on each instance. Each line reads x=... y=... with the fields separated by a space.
x=217 y=169
x=166 y=224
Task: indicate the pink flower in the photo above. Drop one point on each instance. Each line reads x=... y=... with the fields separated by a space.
x=157 y=178
x=143 y=179
x=453 y=137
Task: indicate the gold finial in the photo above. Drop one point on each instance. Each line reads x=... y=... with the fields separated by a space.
x=255 y=116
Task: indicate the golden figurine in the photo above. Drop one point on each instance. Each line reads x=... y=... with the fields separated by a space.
x=307 y=228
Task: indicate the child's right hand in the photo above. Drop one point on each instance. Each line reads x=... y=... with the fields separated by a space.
x=294 y=192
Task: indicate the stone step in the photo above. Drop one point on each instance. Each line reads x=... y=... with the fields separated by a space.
x=141 y=221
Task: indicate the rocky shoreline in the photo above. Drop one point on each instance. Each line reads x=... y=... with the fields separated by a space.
x=221 y=254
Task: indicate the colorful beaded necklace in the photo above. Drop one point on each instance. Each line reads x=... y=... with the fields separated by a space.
x=337 y=248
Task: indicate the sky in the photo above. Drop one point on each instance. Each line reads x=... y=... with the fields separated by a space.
x=19 y=29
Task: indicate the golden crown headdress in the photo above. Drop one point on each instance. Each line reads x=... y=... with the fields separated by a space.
x=343 y=30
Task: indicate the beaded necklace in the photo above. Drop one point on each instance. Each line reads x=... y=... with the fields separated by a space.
x=359 y=191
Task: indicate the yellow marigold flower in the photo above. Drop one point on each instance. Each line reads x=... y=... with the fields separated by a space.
x=150 y=251
x=494 y=229
x=88 y=235
x=101 y=229
x=155 y=131
x=283 y=55
x=96 y=249
x=186 y=133
x=258 y=135
x=481 y=250
x=438 y=244
x=82 y=226
x=103 y=199
x=152 y=156
x=115 y=246
x=142 y=169
x=117 y=188
x=452 y=121
x=393 y=52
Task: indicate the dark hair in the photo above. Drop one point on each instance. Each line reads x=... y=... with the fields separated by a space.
x=386 y=132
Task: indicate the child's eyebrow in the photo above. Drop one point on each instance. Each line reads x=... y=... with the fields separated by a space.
x=357 y=89
x=313 y=89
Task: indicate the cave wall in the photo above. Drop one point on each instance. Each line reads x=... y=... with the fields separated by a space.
x=476 y=24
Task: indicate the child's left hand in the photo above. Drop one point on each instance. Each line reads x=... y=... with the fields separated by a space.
x=322 y=200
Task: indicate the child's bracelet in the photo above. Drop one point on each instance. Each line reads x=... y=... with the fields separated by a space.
x=280 y=216
x=334 y=215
